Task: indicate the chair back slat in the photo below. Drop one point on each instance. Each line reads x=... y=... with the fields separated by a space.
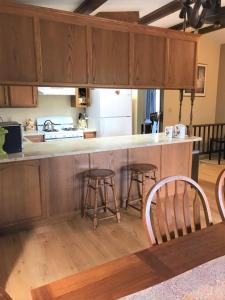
x=161 y=218
x=196 y=212
x=179 y=201
x=177 y=211
x=220 y=194
x=169 y=215
x=187 y=217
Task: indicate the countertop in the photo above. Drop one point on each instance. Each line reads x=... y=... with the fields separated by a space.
x=62 y=148
x=35 y=132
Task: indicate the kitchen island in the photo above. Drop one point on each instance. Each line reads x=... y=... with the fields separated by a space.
x=45 y=182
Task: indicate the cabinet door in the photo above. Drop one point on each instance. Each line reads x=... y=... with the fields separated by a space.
x=149 y=60
x=110 y=54
x=4 y=100
x=64 y=52
x=20 y=192
x=181 y=64
x=64 y=183
x=17 y=49
x=22 y=96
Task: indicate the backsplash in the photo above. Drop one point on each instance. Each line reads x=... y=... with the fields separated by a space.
x=47 y=106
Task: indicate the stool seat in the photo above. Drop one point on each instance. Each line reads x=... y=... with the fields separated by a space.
x=142 y=168
x=100 y=173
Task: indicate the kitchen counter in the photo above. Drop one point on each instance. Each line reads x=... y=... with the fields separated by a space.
x=62 y=148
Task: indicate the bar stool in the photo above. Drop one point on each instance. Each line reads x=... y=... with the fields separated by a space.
x=98 y=178
x=140 y=173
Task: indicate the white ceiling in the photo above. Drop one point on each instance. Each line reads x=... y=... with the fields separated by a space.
x=143 y=6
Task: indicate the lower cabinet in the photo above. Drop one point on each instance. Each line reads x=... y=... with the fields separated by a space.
x=20 y=192
x=64 y=184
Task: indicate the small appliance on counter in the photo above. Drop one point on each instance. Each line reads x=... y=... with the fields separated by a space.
x=13 y=139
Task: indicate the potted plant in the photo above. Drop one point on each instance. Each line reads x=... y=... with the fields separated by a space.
x=3 y=132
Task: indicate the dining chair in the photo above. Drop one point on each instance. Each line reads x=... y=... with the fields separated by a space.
x=180 y=207
x=4 y=295
x=220 y=194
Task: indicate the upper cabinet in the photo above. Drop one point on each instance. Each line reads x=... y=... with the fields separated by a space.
x=149 y=60
x=22 y=96
x=44 y=47
x=64 y=52
x=4 y=99
x=181 y=72
x=17 y=49
x=18 y=96
x=110 y=57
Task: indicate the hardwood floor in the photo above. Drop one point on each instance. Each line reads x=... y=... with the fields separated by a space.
x=32 y=258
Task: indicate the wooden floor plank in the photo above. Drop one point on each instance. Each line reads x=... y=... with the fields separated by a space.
x=146 y=268
x=30 y=259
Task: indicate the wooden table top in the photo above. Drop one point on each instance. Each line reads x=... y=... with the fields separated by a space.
x=140 y=270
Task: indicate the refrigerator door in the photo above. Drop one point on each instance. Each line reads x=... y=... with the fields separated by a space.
x=115 y=103
x=115 y=126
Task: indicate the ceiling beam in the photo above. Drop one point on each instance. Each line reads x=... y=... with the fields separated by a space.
x=210 y=28
x=161 y=12
x=126 y=16
x=203 y=30
x=88 y=6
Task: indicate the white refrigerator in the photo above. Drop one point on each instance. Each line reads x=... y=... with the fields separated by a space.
x=110 y=112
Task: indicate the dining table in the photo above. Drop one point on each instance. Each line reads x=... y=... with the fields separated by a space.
x=142 y=270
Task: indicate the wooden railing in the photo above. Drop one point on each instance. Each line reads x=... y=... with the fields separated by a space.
x=206 y=132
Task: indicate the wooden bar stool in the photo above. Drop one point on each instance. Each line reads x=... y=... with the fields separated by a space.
x=98 y=178
x=140 y=173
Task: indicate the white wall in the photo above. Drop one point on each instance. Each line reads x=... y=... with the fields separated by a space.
x=220 y=107
x=47 y=106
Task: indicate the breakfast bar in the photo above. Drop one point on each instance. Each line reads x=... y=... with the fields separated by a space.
x=49 y=176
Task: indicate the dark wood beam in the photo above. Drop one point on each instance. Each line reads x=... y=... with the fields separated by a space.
x=210 y=28
x=126 y=16
x=178 y=26
x=161 y=12
x=88 y=6
x=203 y=30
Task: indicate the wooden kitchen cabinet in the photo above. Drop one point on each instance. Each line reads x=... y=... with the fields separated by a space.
x=64 y=52
x=4 y=99
x=89 y=134
x=182 y=64
x=20 y=192
x=17 y=49
x=64 y=183
x=22 y=96
x=35 y=138
x=40 y=46
x=149 y=60
x=110 y=57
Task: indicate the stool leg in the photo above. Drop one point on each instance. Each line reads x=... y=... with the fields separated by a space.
x=84 y=212
x=95 y=219
x=129 y=191
x=115 y=201
x=142 y=194
x=106 y=195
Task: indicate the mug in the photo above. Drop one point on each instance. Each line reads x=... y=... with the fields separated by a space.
x=179 y=131
x=169 y=131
